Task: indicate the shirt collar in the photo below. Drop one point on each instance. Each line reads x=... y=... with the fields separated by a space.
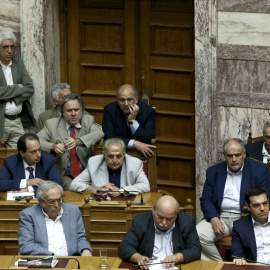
x=264 y=151
x=158 y=231
x=232 y=173
x=9 y=65
x=58 y=217
x=78 y=125
x=260 y=224
x=25 y=165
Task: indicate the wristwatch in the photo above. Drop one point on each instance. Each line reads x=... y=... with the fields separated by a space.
x=121 y=190
x=131 y=122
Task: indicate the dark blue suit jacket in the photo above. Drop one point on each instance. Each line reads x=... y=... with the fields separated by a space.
x=141 y=237
x=243 y=239
x=254 y=150
x=13 y=171
x=114 y=123
x=254 y=174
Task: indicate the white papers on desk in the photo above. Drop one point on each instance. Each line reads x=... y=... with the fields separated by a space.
x=11 y=195
x=159 y=266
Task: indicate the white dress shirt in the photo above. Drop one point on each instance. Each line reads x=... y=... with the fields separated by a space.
x=27 y=173
x=265 y=154
x=56 y=237
x=231 y=195
x=262 y=237
x=11 y=107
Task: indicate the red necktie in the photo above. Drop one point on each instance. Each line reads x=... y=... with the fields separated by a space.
x=74 y=160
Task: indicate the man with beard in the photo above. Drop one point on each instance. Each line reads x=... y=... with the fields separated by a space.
x=164 y=233
x=223 y=194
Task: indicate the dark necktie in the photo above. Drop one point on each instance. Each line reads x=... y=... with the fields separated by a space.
x=74 y=160
x=31 y=175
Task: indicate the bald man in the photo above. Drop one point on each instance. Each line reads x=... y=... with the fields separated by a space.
x=164 y=233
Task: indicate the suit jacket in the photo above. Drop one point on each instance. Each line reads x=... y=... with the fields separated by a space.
x=33 y=237
x=254 y=150
x=243 y=239
x=96 y=174
x=114 y=123
x=48 y=114
x=13 y=171
x=254 y=174
x=14 y=92
x=55 y=129
x=141 y=237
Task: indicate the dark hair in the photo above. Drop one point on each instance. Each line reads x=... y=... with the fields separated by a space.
x=21 y=144
x=68 y=98
x=254 y=191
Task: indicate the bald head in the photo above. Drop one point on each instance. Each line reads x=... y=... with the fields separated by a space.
x=165 y=212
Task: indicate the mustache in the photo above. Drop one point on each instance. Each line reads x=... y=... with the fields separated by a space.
x=163 y=225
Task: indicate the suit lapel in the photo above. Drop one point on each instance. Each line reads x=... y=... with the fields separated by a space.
x=14 y=72
x=39 y=170
x=222 y=176
x=40 y=220
x=244 y=183
x=121 y=122
x=62 y=129
x=2 y=78
x=103 y=171
x=65 y=222
x=123 y=175
x=251 y=237
x=20 y=168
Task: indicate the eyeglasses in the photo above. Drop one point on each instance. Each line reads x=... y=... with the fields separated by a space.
x=52 y=202
x=5 y=48
x=123 y=101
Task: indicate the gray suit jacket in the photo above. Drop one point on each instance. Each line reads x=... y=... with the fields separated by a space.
x=48 y=114
x=14 y=92
x=55 y=129
x=33 y=237
x=96 y=174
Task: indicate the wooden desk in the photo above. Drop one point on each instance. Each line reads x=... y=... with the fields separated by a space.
x=105 y=224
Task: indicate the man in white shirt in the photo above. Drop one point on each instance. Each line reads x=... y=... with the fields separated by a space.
x=223 y=194
x=16 y=88
x=251 y=235
x=30 y=167
x=52 y=227
x=260 y=150
x=76 y=133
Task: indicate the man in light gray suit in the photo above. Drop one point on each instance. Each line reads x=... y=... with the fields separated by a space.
x=76 y=132
x=52 y=227
x=115 y=172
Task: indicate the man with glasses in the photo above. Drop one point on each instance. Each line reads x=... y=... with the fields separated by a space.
x=16 y=88
x=130 y=120
x=115 y=173
x=52 y=227
x=260 y=150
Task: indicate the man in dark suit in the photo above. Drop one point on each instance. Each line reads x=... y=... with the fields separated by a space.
x=223 y=194
x=260 y=150
x=52 y=227
x=163 y=233
x=29 y=167
x=16 y=88
x=130 y=120
x=250 y=235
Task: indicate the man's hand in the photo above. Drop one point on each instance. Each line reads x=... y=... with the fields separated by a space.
x=20 y=85
x=144 y=148
x=112 y=187
x=86 y=252
x=34 y=182
x=141 y=260
x=71 y=143
x=239 y=262
x=59 y=148
x=217 y=225
x=92 y=190
x=178 y=257
x=133 y=109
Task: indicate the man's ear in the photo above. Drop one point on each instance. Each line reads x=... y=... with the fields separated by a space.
x=247 y=206
x=21 y=153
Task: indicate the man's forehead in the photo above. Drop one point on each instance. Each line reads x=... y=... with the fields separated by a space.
x=126 y=90
x=258 y=198
x=7 y=41
x=114 y=148
x=73 y=103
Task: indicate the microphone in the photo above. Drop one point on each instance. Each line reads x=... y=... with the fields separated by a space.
x=248 y=260
x=137 y=265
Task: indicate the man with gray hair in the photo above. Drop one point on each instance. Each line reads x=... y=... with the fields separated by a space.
x=260 y=150
x=164 y=233
x=16 y=89
x=223 y=194
x=76 y=133
x=52 y=227
x=114 y=171
x=59 y=90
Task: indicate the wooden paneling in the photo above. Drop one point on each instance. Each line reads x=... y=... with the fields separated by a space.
x=113 y=42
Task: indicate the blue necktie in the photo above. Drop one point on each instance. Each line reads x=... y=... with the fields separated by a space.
x=31 y=175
